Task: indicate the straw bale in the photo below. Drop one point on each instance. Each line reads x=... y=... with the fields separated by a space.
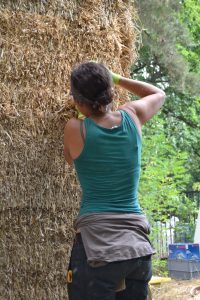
x=35 y=249
x=65 y=8
x=37 y=53
x=40 y=41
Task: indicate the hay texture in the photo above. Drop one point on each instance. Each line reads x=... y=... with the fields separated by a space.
x=40 y=41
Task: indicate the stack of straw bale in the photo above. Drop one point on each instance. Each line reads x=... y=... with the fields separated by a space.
x=40 y=41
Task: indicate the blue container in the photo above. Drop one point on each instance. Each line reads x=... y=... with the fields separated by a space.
x=184 y=269
x=193 y=251
x=185 y=251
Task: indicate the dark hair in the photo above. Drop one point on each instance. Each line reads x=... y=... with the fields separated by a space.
x=91 y=84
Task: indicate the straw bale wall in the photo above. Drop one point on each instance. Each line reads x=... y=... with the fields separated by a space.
x=40 y=41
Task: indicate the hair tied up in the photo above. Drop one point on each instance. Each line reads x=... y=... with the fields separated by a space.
x=95 y=105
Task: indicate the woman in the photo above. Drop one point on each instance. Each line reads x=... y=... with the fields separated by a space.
x=111 y=255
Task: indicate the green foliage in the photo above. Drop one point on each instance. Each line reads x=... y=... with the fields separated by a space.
x=159 y=267
x=160 y=57
x=184 y=232
x=164 y=175
x=190 y=18
x=170 y=58
x=196 y=186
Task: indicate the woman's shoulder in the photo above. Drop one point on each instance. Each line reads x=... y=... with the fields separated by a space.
x=72 y=124
x=73 y=141
x=132 y=114
x=72 y=129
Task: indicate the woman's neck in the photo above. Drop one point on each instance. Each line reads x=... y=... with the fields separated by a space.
x=101 y=113
x=98 y=115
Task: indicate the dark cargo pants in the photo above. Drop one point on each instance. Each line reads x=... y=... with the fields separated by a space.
x=88 y=283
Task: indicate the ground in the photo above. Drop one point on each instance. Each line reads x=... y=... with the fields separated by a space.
x=175 y=290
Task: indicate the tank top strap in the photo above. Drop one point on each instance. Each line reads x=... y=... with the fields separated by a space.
x=124 y=114
x=129 y=119
x=87 y=123
x=81 y=130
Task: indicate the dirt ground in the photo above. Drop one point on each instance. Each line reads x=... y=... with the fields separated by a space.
x=175 y=290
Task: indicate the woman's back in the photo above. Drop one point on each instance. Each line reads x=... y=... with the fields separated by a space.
x=109 y=167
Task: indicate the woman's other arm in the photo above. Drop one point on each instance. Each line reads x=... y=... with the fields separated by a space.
x=151 y=98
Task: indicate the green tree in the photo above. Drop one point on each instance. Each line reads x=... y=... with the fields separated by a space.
x=164 y=175
x=170 y=58
x=190 y=18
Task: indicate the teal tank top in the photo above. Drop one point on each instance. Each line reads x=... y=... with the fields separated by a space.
x=108 y=168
